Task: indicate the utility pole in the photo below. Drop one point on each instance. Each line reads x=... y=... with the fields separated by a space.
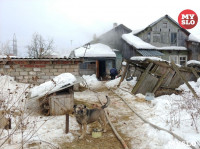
x=14 y=45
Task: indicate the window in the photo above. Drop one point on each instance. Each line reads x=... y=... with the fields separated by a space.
x=164 y=25
x=156 y=37
x=173 y=58
x=182 y=60
x=149 y=37
x=173 y=38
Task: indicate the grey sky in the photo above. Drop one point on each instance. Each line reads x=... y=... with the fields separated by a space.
x=78 y=20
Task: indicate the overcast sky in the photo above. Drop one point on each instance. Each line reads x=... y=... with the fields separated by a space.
x=79 y=20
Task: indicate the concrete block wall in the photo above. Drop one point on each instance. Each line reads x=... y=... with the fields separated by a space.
x=38 y=71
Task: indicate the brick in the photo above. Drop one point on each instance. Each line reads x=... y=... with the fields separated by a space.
x=32 y=73
x=49 y=73
x=61 y=70
x=56 y=73
x=19 y=77
x=19 y=69
x=40 y=80
x=53 y=70
x=14 y=73
x=65 y=66
x=57 y=66
x=45 y=77
x=23 y=73
x=36 y=69
x=41 y=73
x=45 y=70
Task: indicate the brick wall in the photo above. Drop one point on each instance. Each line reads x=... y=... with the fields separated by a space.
x=38 y=70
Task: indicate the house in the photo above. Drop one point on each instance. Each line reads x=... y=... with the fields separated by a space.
x=98 y=59
x=113 y=39
x=164 y=36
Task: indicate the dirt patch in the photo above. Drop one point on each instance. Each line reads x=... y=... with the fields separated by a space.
x=107 y=141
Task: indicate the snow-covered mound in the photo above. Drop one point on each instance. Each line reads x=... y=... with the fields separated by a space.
x=92 y=82
x=52 y=85
x=124 y=84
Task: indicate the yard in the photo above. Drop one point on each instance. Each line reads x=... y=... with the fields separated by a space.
x=177 y=113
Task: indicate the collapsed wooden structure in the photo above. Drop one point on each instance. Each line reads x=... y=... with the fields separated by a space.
x=158 y=76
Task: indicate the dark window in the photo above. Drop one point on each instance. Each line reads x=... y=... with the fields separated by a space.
x=173 y=38
x=164 y=25
x=183 y=60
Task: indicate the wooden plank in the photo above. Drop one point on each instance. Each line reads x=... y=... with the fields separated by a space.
x=194 y=72
x=124 y=74
x=167 y=80
x=148 y=84
x=136 y=87
x=67 y=123
x=183 y=78
x=160 y=81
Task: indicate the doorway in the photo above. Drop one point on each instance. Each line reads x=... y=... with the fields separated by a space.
x=102 y=69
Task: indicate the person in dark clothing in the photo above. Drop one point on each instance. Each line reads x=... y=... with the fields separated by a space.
x=113 y=73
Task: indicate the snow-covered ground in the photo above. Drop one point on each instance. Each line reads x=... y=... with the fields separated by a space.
x=177 y=113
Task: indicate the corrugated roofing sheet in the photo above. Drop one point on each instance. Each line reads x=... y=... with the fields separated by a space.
x=150 y=53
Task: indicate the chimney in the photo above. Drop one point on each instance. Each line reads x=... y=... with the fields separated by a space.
x=114 y=25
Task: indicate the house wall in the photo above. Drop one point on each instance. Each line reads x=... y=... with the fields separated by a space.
x=160 y=35
x=37 y=71
x=128 y=51
x=167 y=54
x=194 y=48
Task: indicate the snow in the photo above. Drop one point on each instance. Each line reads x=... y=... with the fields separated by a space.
x=172 y=48
x=124 y=63
x=142 y=58
x=193 y=38
x=137 y=42
x=91 y=81
x=53 y=85
x=172 y=112
x=95 y=50
x=193 y=62
x=140 y=44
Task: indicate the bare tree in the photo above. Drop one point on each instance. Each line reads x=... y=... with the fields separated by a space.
x=5 y=49
x=40 y=47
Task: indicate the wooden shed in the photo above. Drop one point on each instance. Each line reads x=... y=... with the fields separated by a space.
x=60 y=102
x=157 y=76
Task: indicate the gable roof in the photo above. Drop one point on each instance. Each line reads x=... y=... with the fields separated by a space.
x=167 y=17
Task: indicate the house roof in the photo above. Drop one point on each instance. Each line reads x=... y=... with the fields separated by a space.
x=95 y=50
x=137 y=42
x=168 y=17
x=193 y=38
x=150 y=53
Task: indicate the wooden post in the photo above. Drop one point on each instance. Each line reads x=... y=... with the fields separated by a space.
x=136 y=87
x=97 y=68
x=183 y=78
x=67 y=123
x=160 y=81
x=194 y=72
x=124 y=74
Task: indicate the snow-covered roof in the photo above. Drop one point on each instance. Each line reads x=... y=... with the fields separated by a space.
x=140 y=44
x=193 y=62
x=193 y=38
x=171 y=48
x=95 y=50
x=137 y=42
x=61 y=81
x=142 y=58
